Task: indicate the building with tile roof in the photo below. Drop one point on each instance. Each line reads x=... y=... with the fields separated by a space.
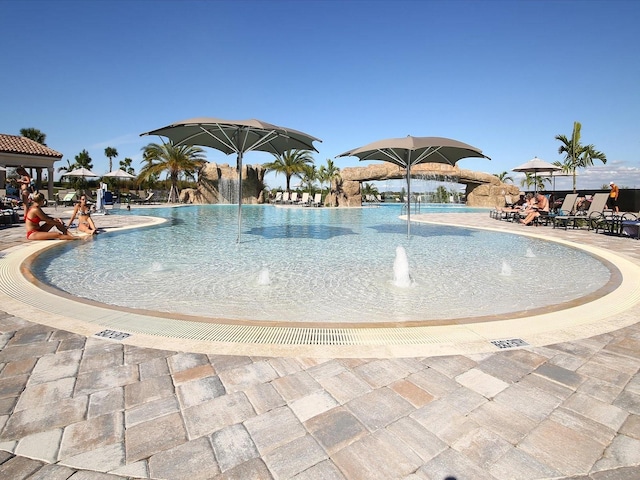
x=17 y=151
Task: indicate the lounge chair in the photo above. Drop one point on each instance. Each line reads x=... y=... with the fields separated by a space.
x=304 y=201
x=317 y=200
x=278 y=198
x=294 y=197
x=285 y=197
x=567 y=208
x=596 y=209
x=69 y=199
x=630 y=225
x=146 y=200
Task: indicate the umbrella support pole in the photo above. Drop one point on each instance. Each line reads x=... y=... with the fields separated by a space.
x=239 y=196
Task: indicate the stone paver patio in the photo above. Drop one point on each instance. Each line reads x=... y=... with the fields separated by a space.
x=80 y=407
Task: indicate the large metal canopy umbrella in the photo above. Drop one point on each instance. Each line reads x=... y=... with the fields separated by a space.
x=409 y=151
x=236 y=136
x=535 y=166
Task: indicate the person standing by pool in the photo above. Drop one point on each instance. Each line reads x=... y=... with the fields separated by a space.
x=613 y=197
x=25 y=188
x=83 y=212
x=35 y=216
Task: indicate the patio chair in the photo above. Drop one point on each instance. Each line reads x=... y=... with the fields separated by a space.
x=69 y=199
x=278 y=198
x=304 y=201
x=294 y=197
x=630 y=225
x=596 y=208
x=567 y=208
x=317 y=200
x=146 y=200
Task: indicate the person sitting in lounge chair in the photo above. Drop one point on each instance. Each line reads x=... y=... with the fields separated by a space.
x=541 y=206
x=35 y=216
x=83 y=212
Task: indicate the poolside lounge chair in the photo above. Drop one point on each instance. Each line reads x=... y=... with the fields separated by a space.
x=304 y=201
x=278 y=198
x=69 y=199
x=567 y=208
x=598 y=204
x=317 y=200
x=146 y=200
x=294 y=197
x=630 y=225
x=285 y=197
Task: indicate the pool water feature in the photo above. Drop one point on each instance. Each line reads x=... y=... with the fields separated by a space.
x=318 y=265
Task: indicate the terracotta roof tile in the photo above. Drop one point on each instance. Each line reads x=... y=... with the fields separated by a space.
x=23 y=145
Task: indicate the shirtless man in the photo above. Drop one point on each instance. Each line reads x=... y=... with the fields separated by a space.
x=542 y=205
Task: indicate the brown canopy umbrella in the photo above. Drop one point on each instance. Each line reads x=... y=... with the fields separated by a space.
x=236 y=136
x=409 y=151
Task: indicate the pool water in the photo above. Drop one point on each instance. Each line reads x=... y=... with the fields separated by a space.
x=318 y=265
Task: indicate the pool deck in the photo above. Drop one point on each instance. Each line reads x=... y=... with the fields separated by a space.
x=84 y=407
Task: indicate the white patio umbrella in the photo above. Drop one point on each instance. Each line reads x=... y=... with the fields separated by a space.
x=535 y=166
x=119 y=174
x=236 y=136
x=80 y=172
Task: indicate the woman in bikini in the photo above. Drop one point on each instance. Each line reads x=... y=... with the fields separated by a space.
x=34 y=217
x=25 y=188
x=85 y=222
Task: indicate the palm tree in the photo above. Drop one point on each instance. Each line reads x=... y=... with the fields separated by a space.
x=110 y=153
x=175 y=160
x=83 y=160
x=504 y=176
x=34 y=134
x=532 y=179
x=369 y=189
x=292 y=162
x=126 y=166
x=70 y=166
x=576 y=155
x=308 y=177
x=328 y=173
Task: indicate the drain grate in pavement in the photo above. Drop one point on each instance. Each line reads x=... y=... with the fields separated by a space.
x=113 y=334
x=510 y=343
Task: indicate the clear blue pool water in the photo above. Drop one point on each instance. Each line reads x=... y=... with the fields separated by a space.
x=318 y=265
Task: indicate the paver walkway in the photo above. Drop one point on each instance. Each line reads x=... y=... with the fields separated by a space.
x=89 y=408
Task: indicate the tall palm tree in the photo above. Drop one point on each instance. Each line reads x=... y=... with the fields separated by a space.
x=175 y=160
x=34 y=134
x=326 y=174
x=290 y=163
x=577 y=155
x=110 y=153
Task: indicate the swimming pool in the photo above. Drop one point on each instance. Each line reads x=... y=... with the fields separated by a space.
x=318 y=265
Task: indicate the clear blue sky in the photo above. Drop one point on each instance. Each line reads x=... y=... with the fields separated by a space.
x=504 y=76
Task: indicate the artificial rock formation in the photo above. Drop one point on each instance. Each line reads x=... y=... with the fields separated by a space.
x=218 y=183
x=482 y=189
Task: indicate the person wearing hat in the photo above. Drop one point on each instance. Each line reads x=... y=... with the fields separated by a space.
x=613 y=197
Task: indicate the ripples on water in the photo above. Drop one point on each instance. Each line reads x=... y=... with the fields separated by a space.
x=317 y=265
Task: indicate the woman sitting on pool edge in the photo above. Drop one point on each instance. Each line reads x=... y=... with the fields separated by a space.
x=85 y=222
x=34 y=216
